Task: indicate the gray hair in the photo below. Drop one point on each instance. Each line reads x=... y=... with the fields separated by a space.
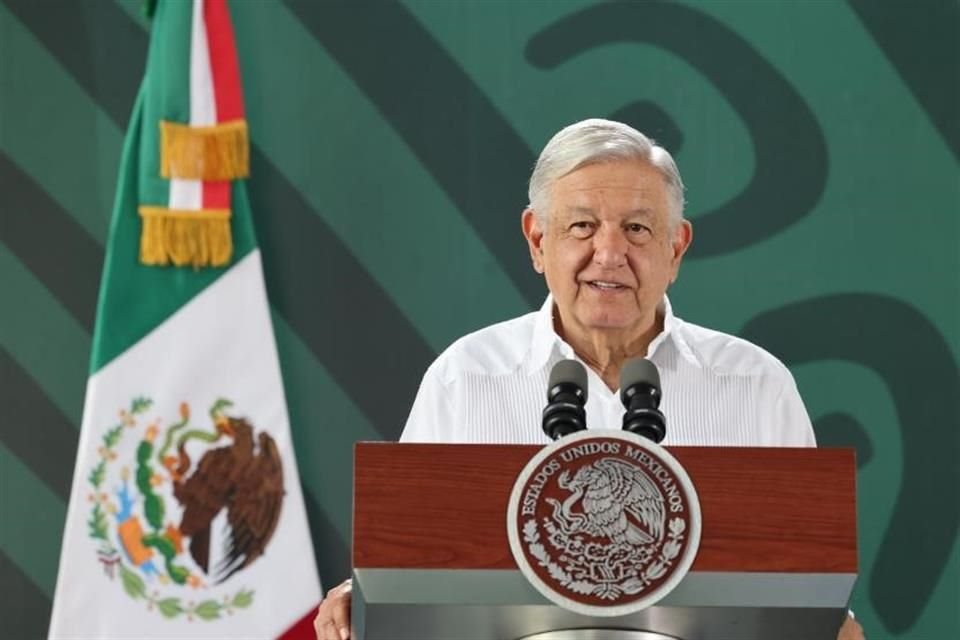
x=597 y=140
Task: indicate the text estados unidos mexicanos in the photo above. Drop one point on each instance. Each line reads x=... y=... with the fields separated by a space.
x=548 y=470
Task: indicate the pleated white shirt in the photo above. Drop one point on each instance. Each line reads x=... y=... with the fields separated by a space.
x=490 y=387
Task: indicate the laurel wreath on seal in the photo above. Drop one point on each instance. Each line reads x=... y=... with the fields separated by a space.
x=114 y=561
x=572 y=576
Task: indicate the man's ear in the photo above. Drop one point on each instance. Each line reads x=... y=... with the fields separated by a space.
x=534 y=235
x=682 y=237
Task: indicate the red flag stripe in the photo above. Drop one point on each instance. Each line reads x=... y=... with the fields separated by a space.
x=302 y=629
x=223 y=61
x=227 y=92
x=216 y=195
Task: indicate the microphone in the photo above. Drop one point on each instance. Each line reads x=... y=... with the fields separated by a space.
x=566 y=396
x=640 y=394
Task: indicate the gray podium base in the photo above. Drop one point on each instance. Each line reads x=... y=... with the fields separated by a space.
x=598 y=634
x=399 y=622
x=452 y=605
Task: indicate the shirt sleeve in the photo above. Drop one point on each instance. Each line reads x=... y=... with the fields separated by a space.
x=432 y=411
x=790 y=416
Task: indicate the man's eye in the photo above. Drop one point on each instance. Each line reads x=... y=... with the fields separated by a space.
x=581 y=228
x=636 y=227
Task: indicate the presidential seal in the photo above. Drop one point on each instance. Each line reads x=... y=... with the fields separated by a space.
x=604 y=522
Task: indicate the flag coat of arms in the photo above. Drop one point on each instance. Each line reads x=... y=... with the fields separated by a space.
x=186 y=517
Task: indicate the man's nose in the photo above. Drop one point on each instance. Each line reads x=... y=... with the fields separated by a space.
x=610 y=247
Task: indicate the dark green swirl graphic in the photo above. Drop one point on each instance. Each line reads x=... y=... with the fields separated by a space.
x=922 y=45
x=901 y=345
x=656 y=122
x=842 y=430
x=791 y=159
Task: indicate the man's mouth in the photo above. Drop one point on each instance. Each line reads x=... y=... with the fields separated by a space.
x=603 y=285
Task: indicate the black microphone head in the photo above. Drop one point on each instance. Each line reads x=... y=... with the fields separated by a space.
x=568 y=372
x=638 y=371
x=566 y=397
x=640 y=394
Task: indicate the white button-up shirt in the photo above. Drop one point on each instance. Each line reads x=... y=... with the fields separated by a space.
x=491 y=385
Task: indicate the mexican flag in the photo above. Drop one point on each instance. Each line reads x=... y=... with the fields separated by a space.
x=186 y=517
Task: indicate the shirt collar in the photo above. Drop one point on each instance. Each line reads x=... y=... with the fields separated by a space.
x=546 y=342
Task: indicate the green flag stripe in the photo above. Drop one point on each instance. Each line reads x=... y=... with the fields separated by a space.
x=32 y=522
x=167 y=83
x=39 y=333
x=38 y=433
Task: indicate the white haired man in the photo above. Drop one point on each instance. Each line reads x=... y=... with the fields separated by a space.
x=605 y=226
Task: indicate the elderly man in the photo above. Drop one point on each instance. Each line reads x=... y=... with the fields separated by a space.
x=605 y=226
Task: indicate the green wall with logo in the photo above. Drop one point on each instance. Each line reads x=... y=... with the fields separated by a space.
x=819 y=142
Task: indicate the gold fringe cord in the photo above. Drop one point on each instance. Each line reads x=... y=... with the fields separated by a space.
x=218 y=152
x=182 y=237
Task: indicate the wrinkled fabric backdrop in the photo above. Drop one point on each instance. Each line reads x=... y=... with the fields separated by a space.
x=391 y=146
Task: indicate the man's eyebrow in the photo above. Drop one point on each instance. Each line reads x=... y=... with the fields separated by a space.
x=573 y=209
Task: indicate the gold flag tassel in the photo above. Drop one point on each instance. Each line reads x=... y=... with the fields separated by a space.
x=214 y=153
x=199 y=238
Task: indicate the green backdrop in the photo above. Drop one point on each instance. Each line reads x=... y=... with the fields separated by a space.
x=392 y=141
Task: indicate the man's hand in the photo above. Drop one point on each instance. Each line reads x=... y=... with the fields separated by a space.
x=850 y=630
x=333 y=616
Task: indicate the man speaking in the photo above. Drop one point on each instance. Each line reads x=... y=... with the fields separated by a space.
x=605 y=226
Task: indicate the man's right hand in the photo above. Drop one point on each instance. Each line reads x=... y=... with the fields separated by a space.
x=333 y=616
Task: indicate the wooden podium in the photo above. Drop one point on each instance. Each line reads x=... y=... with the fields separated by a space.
x=431 y=559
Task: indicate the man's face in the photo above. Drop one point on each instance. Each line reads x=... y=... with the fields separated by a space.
x=608 y=251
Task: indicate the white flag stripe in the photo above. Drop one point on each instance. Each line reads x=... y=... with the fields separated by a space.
x=188 y=194
x=203 y=108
